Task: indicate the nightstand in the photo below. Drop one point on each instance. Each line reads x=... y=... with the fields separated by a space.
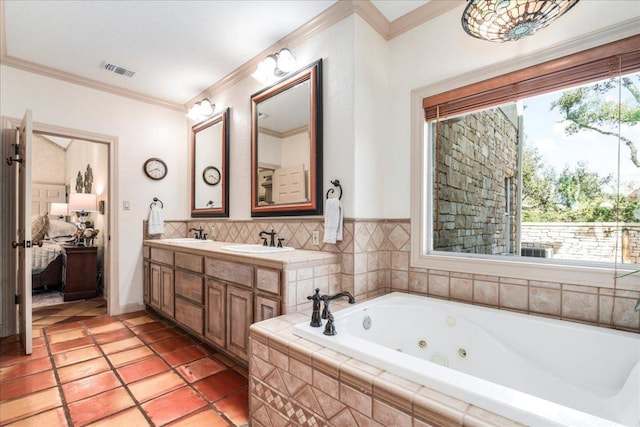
x=79 y=270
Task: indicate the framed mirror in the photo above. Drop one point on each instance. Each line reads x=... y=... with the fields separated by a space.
x=286 y=146
x=210 y=167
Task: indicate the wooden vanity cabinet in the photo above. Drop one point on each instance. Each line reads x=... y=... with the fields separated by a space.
x=161 y=295
x=215 y=329
x=189 y=291
x=239 y=318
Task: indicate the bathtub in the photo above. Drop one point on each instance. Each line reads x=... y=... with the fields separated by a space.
x=534 y=370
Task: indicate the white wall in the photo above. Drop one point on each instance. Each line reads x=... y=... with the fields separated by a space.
x=440 y=50
x=142 y=130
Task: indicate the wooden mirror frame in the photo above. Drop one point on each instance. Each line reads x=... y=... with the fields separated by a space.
x=223 y=209
x=314 y=204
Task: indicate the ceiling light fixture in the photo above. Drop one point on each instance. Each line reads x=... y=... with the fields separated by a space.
x=201 y=110
x=275 y=66
x=507 y=20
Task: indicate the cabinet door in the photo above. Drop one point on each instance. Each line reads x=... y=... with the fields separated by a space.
x=145 y=281
x=166 y=300
x=216 y=313
x=239 y=318
x=266 y=308
x=155 y=277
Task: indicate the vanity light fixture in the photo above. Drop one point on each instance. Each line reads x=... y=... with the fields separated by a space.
x=274 y=66
x=201 y=110
x=507 y=20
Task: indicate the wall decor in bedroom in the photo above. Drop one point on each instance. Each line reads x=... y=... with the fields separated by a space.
x=79 y=183
x=88 y=179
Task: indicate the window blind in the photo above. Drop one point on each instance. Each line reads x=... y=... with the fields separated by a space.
x=606 y=61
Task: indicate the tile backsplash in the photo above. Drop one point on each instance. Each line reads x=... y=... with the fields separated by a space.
x=375 y=260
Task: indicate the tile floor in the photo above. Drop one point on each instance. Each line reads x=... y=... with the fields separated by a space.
x=129 y=370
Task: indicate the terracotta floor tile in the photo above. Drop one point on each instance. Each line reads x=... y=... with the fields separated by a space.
x=143 y=369
x=101 y=321
x=31 y=404
x=165 y=346
x=82 y=369
x=133 y=314
x=26 y=368
x=89 y=386
x=60 y=328
x=159 y=335
x=130 y=356
x=25 y=385
x=221 y=384
x=148 y=327
x=54 y=417
x=18 y=355
x=38 y=342
x=107 y=327
x=66 y=335
x=71 y=345
x=10 y=347
x=173 y=405
x=155 y=386
x=76 y=356
x=141 y=320
x=224 y=359
x=99 y=406
x=7 y=340
x=113 y=335
x=128 y=418
x=200 y=369
x=184 y=355
x=207 y=417
x=236 y=407
x=121 y=345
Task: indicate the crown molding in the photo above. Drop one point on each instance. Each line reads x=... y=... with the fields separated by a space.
x=339 y=11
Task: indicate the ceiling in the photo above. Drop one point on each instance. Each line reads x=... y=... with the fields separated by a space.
x=177 y=49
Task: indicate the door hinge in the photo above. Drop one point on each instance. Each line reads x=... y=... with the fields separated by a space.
x=17 y=299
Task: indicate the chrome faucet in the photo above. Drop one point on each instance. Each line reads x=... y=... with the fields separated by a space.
x=272 y=240
x=199 y=233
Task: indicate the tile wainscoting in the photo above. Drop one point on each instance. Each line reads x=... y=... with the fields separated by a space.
x=375 y=260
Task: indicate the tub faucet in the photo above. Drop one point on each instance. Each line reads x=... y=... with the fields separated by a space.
x=326 y=299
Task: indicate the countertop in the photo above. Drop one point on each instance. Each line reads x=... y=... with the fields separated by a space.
x=298 y=258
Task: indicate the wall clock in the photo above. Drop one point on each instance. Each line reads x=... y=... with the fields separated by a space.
x=211 y=175
x=155 y=168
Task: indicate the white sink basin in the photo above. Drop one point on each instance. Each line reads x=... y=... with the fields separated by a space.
x=185 y=240
x=256 y=249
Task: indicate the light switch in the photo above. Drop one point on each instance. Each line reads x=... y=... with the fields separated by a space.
x=126 y=205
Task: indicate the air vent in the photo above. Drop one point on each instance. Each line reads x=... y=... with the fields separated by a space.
x=117 y=69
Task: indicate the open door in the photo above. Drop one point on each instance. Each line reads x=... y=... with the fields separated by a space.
x=23 y=243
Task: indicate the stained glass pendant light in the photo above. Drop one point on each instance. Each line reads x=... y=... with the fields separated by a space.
x=506 y=20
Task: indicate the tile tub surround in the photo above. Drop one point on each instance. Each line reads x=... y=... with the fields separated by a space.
x=293 y=381
x=375 y=261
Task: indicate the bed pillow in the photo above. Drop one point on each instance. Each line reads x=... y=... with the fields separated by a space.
x=59 y=228
x=39 y=225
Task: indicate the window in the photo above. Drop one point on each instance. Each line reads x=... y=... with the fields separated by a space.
x=533 y=174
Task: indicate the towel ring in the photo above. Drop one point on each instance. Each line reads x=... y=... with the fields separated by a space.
x=336 y=183
x=155 y=202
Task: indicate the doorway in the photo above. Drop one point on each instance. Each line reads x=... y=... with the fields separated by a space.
x=104 y=215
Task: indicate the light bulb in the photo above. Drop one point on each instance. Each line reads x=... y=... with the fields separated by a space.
x=286 y=61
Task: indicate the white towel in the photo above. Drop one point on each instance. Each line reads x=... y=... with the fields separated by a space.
x=333 y=221
x=156 y=222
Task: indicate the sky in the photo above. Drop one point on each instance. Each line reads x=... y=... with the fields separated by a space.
x=544 y=130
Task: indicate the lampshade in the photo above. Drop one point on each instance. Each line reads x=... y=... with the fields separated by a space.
x=61 y=209
x=201 y=110
x=82 y=202
x=506 y=20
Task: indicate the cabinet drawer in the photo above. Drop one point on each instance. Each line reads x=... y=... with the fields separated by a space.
x=189 y=285
x=162 y=255
x=268 y=280
x=190 y=315
x=189 y=262
x=145 y=251
x=241 y=274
